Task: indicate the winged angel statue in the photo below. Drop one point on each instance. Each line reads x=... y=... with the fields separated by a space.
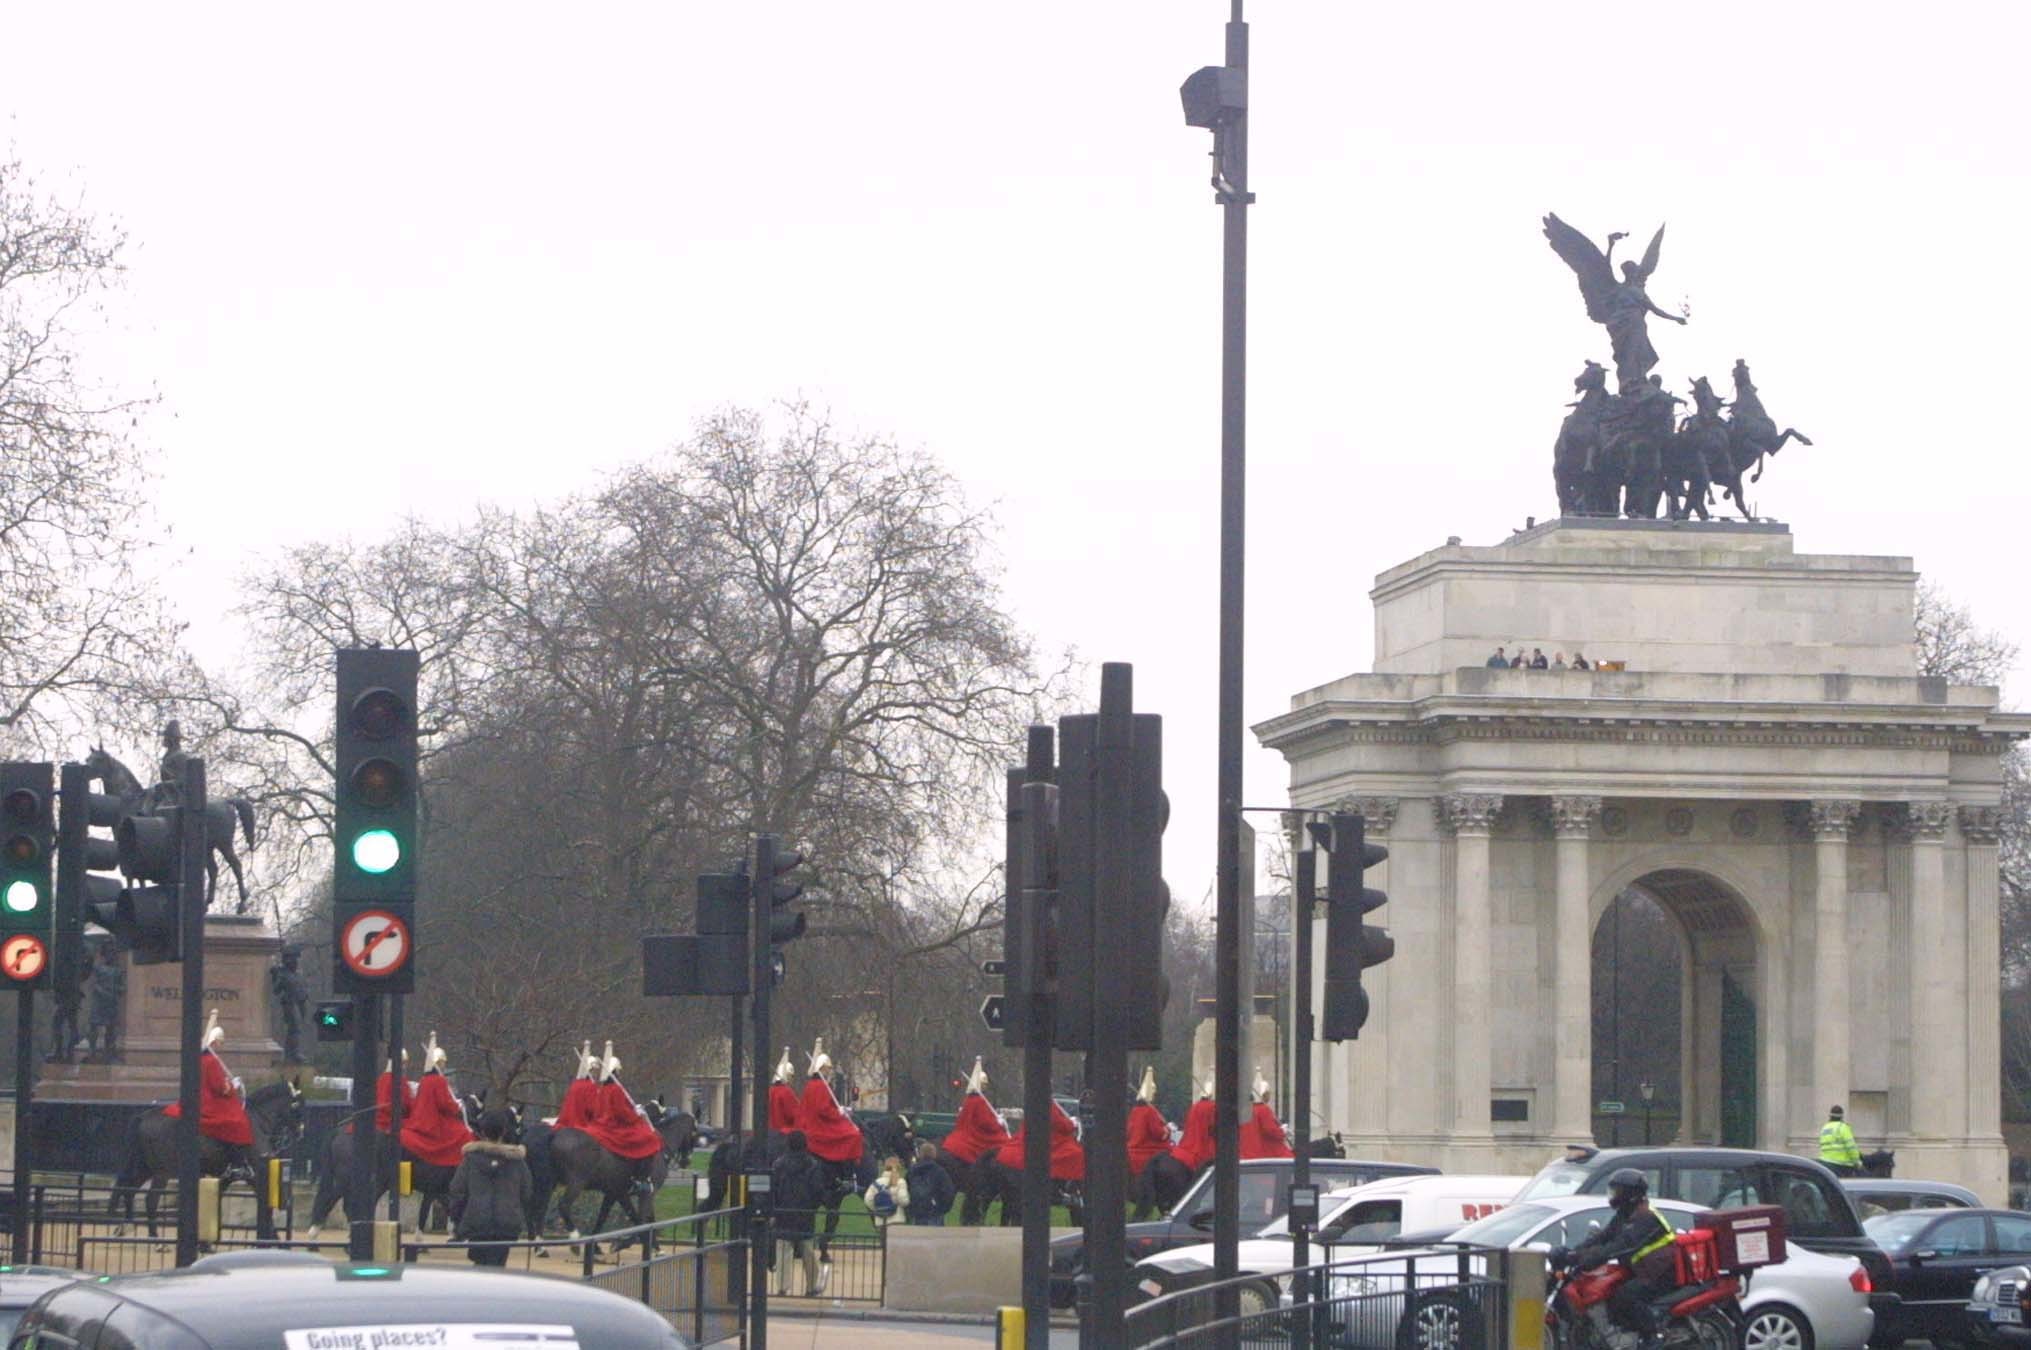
x=1622 y=306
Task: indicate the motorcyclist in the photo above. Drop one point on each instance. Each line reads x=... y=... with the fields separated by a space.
x=1640 y=1238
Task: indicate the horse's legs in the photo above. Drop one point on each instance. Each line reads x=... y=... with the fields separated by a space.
x=239 y=876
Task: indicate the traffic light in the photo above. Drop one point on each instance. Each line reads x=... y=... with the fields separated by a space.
x=79 y=853
x=1030 y=877
x=374 y=826
x=146 y=916
x=1141 y=967
x=774 y=924
x=1352 y=946
x=27 y=855
x=334 y=1019
x=716 y=959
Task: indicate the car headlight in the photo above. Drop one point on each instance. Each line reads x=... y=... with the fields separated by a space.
x=1983 y=1287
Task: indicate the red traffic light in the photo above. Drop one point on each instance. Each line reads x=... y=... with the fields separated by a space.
x=379 y=783
x=380 y=714
x=22 y=850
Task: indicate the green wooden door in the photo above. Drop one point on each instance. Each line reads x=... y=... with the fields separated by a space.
x=1738 y=1065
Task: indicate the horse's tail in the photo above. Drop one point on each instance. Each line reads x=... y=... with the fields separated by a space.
x=246 y=810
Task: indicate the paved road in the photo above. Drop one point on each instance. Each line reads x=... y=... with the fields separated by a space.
x=856 y=1333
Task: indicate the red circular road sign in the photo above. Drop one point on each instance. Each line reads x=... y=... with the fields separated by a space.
x=23 y=956
x=374 y=944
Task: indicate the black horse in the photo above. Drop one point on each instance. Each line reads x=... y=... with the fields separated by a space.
x=575 y=1160
x=431 y=1182
x=1883 y=1162
x=276 y=1114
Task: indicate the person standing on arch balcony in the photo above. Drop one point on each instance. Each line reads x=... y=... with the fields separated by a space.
x=1837 y=1147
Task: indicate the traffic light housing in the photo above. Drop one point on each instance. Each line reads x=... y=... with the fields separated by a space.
x=1352 y=946
x=145 y=916
x=374 y=822
x=775 y=924
x=334 y=1019
x=80 y=895
x=714 y=960
x=1030 y=888
x=1145 y=985
x=27 y=861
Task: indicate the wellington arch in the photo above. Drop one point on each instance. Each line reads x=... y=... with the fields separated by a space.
x=1817 y=820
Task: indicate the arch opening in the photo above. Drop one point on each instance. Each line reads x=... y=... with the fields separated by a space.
x=1673 y=984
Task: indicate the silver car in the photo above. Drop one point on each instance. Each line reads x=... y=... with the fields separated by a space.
x=1805 y=1301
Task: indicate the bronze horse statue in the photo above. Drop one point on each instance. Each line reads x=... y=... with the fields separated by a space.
x=1751 y=432
x=119 y=782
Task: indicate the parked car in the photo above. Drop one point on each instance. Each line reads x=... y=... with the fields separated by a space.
x=1351 y=1222
x=1936 y=1257
x=1999 y=1310
x=1265 y=1186
x=271 y=1304
x=22 y=1285
x=1806 y=1300
x=1818 y=1213
x=1880 y=1195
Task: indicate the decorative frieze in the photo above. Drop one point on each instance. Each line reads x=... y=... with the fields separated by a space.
x=1470 y=813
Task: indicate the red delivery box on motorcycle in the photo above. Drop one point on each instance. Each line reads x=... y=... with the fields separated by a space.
x=1746 y=1238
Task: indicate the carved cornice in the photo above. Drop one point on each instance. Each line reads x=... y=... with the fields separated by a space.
x=1377 y=813
x=1832 y=818
x=1573 y=817
x=1448 y=729
x=1981 y=824
x=1925 y=820
x=1470 y=813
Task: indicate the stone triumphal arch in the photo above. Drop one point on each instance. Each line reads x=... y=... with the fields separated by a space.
x=1759 y=756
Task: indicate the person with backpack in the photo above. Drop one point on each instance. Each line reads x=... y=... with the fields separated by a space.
x=888 y=1194
x=490 y=1192
x=931 y=1189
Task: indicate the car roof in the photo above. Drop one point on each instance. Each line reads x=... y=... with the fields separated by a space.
x=257 y=1306
x=22 y=1285
x=1422 y=1182
x=1906 y=1186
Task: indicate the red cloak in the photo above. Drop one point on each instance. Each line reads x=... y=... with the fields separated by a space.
x=580 y=1105
x=221 y=1115
x=1262 y=1135
x=783 y=1111
x=1148 y=1136
x=384 y=1102
x=1195 y=1150
x=977 y=1131
x=1068 y=1159
x=435 y=1131
x=826 y=1128
x=618 y=1127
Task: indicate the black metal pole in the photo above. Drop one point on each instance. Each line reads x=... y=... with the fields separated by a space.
x=1304 y=888
x=762 y=885
x=1232 y=141
x=366 y=1142
x=737 y=1270
x=1038 y=768
x=393 y=1175
x=1107 y=1061
x=190 y=821
x=24 y=1085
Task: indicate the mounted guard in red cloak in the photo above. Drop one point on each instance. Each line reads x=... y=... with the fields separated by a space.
x=785 y=1113
x=435 y=1130
x=620 y=1127
x=832 y=1136
x=581 y=1100
x=221 y=1113
x=1262 y=1133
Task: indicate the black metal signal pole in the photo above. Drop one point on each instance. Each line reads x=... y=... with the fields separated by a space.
x=1304 y=891
x=393 y=1175
x=190 y=909
x=366 y=1141
x=24 y=1086
x=1037 y=801
x=762 y=880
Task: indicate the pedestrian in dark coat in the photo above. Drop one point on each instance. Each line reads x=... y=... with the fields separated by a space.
x=931 y=1188
x=797 y=1185
x=490 y=1192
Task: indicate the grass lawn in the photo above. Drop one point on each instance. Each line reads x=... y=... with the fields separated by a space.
x=676 y=1200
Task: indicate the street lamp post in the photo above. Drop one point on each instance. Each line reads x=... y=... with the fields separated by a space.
x=1216 y=98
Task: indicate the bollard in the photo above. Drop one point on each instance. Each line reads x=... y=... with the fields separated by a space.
x=208 y=1209
x=275 y=1183
x=1010 y=1329
x=387 y=1242
x=408 y=1177
x=1525 y=1288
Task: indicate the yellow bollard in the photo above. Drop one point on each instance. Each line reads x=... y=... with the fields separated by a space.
x=1011 y=1329
x=408 y=1177
x=207 y=1209
x=275 y=1183
x=1527 y=1288
x=387 y=1242
x=737 y=1190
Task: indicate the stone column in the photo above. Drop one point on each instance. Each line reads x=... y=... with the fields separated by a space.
x=1830 y=820
x=1471 y=818
x=1981 y=827
x=1572 y=973
x=1934 y=998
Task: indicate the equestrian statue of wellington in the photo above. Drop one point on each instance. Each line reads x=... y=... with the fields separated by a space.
x=1627 y=453
x=119 y=782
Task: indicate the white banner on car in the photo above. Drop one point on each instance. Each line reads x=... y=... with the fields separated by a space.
x=433 y=1336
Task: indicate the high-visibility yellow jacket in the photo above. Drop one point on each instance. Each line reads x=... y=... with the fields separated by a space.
x=1837 y=1144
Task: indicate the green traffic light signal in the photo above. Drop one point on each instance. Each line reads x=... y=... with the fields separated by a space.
x=22 y=897
x=376 y=851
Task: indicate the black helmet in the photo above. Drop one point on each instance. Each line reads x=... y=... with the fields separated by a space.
x=1626 y=1186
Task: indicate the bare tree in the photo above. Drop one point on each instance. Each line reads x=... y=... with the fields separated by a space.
x=73 y=622
x=1953 y=647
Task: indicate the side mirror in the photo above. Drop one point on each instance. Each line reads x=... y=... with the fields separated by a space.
x=1593 y=1225
x=1202 y=1220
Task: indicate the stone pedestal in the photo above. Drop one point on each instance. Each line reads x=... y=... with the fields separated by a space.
x=239 y=950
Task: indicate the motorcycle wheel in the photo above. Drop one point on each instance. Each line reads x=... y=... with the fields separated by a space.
x=1714 y=1329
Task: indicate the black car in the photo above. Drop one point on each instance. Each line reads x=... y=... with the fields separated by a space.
x=1936 y=1256
x=263 y=1305
x=22 y=1285
x=1819 y=1214
x=1265 y=1183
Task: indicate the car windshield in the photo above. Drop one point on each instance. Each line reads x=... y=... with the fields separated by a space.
x=10 y=1318
x=1504 y=1226
x=1560 y=1178
x=1894 y=1232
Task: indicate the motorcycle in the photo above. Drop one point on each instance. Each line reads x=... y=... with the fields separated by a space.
x=1705 y=1311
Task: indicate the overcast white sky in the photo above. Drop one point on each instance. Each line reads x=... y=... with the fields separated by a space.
x=406 y=258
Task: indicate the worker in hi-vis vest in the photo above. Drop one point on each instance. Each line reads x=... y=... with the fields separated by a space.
x=1837 y=1145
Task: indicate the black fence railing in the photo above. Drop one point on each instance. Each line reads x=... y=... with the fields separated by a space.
x=1420 y=1299
x=848 y=1265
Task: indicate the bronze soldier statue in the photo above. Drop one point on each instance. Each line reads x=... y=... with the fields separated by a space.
x=168 y=789
x=292 y=992
x=109 y=991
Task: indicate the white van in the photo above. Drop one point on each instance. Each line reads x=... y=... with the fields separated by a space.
x=1351 y=1221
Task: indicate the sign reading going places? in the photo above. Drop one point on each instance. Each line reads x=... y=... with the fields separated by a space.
x=374 y=944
